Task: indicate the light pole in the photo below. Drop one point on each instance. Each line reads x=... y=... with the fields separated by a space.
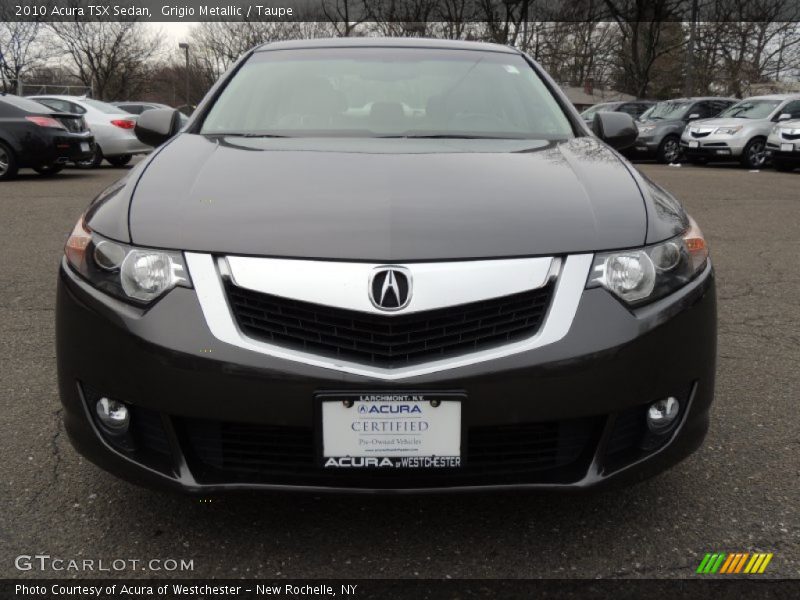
x=185 y=47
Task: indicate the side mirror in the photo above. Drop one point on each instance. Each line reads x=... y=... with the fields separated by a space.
x=784 y=117
x=617 y=129
x=156 y=126
x=694 y=116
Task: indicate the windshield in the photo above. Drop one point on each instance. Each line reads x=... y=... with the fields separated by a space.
x=646 y=114
x=387 y=92
x=667 y=110
x=750 y=109
x=109 y=109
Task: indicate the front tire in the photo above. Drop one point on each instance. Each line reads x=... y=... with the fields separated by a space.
x=781 y=164
x=94 y=161
x=8 y=163
x=48 y=170
x=754 y=155
x=119 y=161
x=669 y=151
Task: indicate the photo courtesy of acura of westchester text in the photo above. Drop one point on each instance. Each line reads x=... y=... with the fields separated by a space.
x=397 y=295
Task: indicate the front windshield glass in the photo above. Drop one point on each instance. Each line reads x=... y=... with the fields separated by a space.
x=667 y=110
x=750 y=109
x=387 y=92
x=646 y=114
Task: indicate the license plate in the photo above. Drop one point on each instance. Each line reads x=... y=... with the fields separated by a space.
x=694 y=144
x=85 y=147
x=402 y=430
x=787 y=147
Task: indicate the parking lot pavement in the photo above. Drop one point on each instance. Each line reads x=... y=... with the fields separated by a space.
x=740 y=492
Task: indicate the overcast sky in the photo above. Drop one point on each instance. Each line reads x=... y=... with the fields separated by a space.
x=176 y=32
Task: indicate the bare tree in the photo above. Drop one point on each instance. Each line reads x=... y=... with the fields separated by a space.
x=345 y=15
x=21 y=50
x=110 y=57
x=642 y=26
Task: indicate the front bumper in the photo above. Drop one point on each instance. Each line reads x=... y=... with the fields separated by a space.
x=213 y=417
x=784 y=149
x=645 y=146
x=716 y=146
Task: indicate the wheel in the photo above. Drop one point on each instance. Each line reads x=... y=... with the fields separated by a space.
x=8 y=163
x=48 y=170
x=781 y=164
x=669 y=151
x=119 y=161
x=754 y=154
x=94 y=161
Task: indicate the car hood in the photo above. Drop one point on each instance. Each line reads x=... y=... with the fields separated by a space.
x=386 y=200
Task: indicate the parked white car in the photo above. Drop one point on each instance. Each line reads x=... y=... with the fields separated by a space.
x=112 y=128
x=783 y=145
x=739 y=132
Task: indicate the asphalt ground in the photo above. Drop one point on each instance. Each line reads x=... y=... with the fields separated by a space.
x=740 y=492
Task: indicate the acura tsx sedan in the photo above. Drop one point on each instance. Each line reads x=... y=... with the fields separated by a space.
x=385 y=265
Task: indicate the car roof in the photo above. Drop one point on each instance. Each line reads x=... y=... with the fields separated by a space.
x=699 y=98
x=59 y=97
x=385 y=42
x=774 y=97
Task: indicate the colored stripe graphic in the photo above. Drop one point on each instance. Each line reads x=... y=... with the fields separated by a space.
x=703 y=563
x=736 y=562
x=718 y=564
x=727 y=565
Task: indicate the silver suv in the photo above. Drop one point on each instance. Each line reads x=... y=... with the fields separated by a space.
x=783 y=145
x=740 y=132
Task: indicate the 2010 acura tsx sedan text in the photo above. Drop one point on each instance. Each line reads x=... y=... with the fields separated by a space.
x=385 y=265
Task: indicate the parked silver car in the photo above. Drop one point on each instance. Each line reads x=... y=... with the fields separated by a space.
x=112 y=128
x=741 y=131
x=783 y=145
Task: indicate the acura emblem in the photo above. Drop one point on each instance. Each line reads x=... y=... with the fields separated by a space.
x=390 y=287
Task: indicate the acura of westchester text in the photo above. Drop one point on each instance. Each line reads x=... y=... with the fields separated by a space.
x=374 y=265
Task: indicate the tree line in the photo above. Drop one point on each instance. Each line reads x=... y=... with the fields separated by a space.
x=645 y=48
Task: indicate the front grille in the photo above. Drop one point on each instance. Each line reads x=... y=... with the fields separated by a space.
x=791 y=136
x=388 y=341
x=220 y=452
x=700 y=134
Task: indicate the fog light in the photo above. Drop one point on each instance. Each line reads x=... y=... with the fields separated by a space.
x=662 y=414
x=113 y=415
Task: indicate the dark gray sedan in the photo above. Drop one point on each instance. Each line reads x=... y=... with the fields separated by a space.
x=385 y=265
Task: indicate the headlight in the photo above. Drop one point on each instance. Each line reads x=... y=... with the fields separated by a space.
x=647 y=129
x=133 y=274
x=642 y=275
x=728 y=130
